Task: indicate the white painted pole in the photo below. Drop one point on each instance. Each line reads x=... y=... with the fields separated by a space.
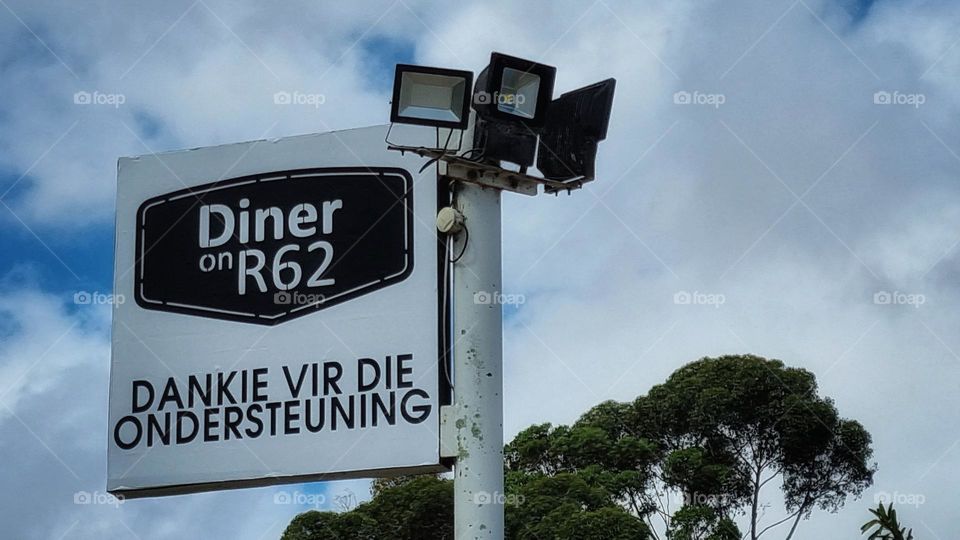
x=478 y=367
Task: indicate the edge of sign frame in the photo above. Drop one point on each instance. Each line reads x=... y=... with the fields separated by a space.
x=444 y=396
x=267 y=481
x=444 y=317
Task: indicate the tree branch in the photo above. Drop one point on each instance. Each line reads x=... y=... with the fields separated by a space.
x=804 y=506
x=771 y=477
x=653 y=531
x=768 y=527
x=753 y=505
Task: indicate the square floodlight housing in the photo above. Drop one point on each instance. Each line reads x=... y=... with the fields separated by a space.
x=514 y=90
x=505 y=142
x=429 y=96
x=577 y=121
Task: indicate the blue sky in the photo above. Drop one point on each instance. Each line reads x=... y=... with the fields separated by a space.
x=83 y=258
x=34 y=255
x=64 y=260
x=825 y=180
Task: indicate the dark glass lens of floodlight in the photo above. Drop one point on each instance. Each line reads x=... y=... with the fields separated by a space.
x=429 y=96
x=576 y=122
x=505 y=142
x=512 y=89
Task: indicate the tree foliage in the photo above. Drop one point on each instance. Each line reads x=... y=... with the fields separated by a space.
x=410 y=508
x=701 y=522
x=682 y=461
x=730 y=426
x=566 y=505
x=887 y=525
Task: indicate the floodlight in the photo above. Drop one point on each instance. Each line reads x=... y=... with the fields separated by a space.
x=505 y=142
x=429 y=96
x=514 y=90
x=576 y=122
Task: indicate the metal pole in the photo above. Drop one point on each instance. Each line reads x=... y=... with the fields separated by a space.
x=478 y=363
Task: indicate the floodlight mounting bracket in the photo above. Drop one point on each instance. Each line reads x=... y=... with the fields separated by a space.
x=484 y=174
x=438 y=148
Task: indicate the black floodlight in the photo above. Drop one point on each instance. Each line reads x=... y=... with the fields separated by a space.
x=576 y=122
x=429 y=96
x=505 y=142
x=512 y=89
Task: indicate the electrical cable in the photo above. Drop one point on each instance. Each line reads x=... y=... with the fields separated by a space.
x=466 y=238
x=443 y=316
x=445 y=293
x=443 y=151
x=471 y=151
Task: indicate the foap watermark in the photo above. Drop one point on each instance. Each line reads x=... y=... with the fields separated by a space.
x=85 y=298
x=697 y=97
x=701 y=499
x=99 y=98
x=498 y=298
x=498 y=98
x=299 y=98
x=293 y=298
x=502 y=499
x=897 y=97
x=898 y=298
x=899 y=499
x=299 y=498
x=98 y=498
x=697 y=298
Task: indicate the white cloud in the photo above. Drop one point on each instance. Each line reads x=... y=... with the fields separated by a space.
x=689 y=198
x=53 y=374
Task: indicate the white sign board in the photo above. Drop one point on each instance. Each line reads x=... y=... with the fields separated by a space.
x=281 y=322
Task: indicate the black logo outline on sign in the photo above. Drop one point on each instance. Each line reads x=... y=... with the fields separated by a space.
x=213 y=313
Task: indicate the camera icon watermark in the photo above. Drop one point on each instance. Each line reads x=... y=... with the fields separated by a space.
x=897 y=298
x=293 y=298
x=498 y=298
x=498 y=98
x=700 y=499
x=86 y=298
x=99 y=98
x=697 y=298
x=299 y=98
x=900 y=499
x=97 y=498
x=896 y=97
x=299 y=498
x=485 y=497
x=697 y=97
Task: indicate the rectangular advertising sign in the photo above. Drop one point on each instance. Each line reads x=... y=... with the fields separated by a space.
x=285 y=323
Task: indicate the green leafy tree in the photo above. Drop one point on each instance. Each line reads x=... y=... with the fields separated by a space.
x=887 y=525
x=314 y=525
x=566 y=505
x=538 y=506
x=701 y=522
x=619 y=463
x=409 y=508
x=690 y=456
x=379 y=485
x=730 y=426
x=419 y=508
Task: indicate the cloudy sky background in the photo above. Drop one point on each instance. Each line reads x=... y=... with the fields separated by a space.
x=796 y=202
